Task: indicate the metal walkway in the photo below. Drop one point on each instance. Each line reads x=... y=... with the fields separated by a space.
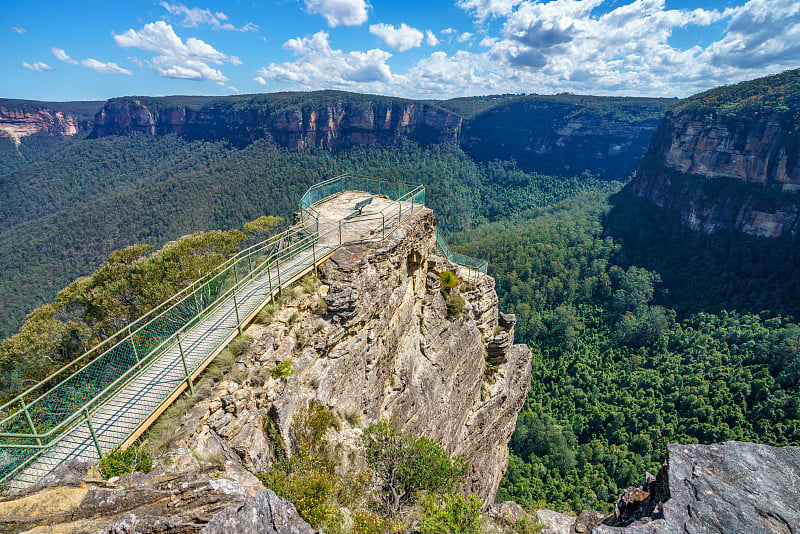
x=109 y=396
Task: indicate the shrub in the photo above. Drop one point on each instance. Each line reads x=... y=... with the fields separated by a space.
x=405 y=464
x=451 y=514
x=367 y=523
x=282 y=370
x=448 y=279
x=455 y=305
x=121 y=461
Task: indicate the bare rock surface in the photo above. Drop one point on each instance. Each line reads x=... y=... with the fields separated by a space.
x=263 y=513
x=724 y=488
x=157 y=502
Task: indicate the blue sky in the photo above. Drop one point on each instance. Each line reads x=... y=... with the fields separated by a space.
x=87 y=50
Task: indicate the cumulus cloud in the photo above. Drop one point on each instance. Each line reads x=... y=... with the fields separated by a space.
x=17 y=29
x=430 y=38
x=550 y=46
x=483 y=9
x=195 y=17
x=319 y=66
x=105 y=68
x=401 y=38
x=38 y=66
x=339 y=12
x=174 y=58
x=761 y=32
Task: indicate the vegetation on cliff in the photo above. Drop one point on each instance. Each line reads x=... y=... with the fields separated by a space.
x=779 y=93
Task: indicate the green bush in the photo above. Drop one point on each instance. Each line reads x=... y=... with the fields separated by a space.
x=282 y=370
x=455 y=305
x=448 y=279
x=405 y=465
x=121 y=461
x=451 y=514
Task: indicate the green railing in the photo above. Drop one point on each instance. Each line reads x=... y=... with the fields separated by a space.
x=394 y=190
x=40 y=416
x=475 y=266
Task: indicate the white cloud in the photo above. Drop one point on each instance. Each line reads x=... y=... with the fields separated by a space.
x=61 y=55
x=339 y=12
x=581 y=46
x=176 y=59
x=38 y=66
x=17 y=29
x=430 y=38
x=194 y=17
x=105 y=68
x=401 y=39
x=488 y=8
x=320 y=66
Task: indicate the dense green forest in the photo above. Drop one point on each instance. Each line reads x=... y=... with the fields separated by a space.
x=616 y=376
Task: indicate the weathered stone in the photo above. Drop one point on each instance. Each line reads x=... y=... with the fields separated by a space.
x=554 y=522
x=586 y=521
x=263 y=513
x=726 y=487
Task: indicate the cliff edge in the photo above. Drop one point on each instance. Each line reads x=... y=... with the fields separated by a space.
x=729 y=159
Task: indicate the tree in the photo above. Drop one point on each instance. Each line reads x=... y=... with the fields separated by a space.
x=405 y=464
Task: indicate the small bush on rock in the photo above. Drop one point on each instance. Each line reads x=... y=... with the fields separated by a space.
x=121 y=461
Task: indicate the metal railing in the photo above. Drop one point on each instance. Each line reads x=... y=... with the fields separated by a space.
x=475 y=267
x=41 y=416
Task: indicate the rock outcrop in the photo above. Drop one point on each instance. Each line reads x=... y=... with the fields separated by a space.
x=324 y=119
x=720 y=488
x=729 y=159
x=374 y=342
x=76 y=501
x=19 y=123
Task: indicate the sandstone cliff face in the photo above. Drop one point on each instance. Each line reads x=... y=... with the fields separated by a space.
x=333 y=124
x=719 y=171
x=17 y=124
x=384 y=349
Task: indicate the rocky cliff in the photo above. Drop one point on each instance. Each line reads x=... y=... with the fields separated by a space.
x=720 y=488
x=19 y=123
x=729 y=159
x=383 y=348
x=324 y=119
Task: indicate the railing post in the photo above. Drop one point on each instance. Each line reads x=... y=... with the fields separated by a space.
x=185 y=367
x=236 y=309
x=133 y=344
x=383 y=226
x=340 y=232
x=314 y=255
x=271 y=292
x=278 y=268
x=250 y=263
x=91 y=431
x=30 y=421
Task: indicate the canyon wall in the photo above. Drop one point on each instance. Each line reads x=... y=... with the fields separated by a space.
x=729 y=159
